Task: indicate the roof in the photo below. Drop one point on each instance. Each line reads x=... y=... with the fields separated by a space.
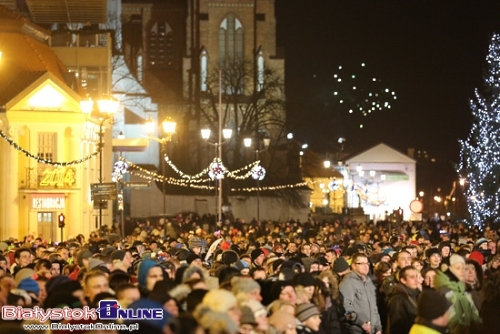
x=381 y=153
x=313 y=167
x=25 y=56
x=68 y=11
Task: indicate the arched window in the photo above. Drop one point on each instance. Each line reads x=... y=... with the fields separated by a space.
x=203 y=70
x=230 y=40
x=161 y=46
x=260 y=71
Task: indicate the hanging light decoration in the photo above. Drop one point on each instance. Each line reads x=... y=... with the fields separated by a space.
x=216 y=170
x=258 y=172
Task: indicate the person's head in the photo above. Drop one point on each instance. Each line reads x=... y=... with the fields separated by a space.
x=221 y=300
x=64 y=252
x=121 y=259
x=429 y=274
x=22 y=256
x=308 y=314
x=457 y=267
x=434 y=257
x=306 y=249
x=382 y=270
x=433 y=307
x=95 y=282
x=258 y=256
x=127 y=292
x=292 y=247
x=409 y=277
x=55 y=269
x=283 y=322
x=403 y=259
x=360 y=264
x=149 y=273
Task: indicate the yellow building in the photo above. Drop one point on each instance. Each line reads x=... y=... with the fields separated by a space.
x=49 y=150
x=326 y=184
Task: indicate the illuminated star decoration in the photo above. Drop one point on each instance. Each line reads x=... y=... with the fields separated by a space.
x=216 y=170
x=358 y=92
x=258 y=172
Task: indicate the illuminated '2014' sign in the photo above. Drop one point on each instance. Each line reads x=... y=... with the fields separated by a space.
x=58 y=177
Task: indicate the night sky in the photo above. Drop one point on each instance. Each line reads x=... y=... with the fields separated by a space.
x=431 y=53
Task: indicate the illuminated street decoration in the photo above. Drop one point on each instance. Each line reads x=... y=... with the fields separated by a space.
x=58 y=177
x=480 y=152
x=45 y=161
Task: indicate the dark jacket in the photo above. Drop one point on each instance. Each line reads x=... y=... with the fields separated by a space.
x=401 y=309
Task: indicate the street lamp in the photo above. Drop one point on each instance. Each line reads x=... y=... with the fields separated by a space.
x=259 y=171
x=109 y=107
x=168 y=127
x=226 y=134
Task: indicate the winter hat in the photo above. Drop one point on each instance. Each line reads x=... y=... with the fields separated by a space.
x=257 y=308
x=108 y=250
x=225 y=245
x=277 y=287
x=144 y=268
x=191 y=257
x=340 y=265
x=93 y=263
x=29 y=285
x=432 y=304
x=195 y=242
x=84 y=254
x=304 y=279
x=477 y=256
x=244 y=285
x=480 y=241
x=23 y=273
x=432 y=251
x=118 y=255
x=247 y=317
x=444 y=244
x=256 y=253
x=55 y=282
x=455 y=258
x=305 y=310
x=229 y=257
x=219 y=300
x=240 y=265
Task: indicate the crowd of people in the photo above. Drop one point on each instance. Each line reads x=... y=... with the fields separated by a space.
x=266 y=277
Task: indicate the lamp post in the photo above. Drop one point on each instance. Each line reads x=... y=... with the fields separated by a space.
x=168 y=127
x=258 y=175
x=221 y=133
x=104 y=106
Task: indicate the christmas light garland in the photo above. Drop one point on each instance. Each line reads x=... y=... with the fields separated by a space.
x=272 y=188
x=45 y=161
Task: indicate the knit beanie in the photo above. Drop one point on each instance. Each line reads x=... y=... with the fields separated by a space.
x=84 y=254
x=195 y=242
x=432 y=304
x=432 y=251
x=277 y=287
x=305 y=311
x=240 y=265
x=245 y=285
x=257 y=308
x=118 y=255
x=144 y=268
x=55 y=282
x=229 y=257
x=24 y=273
x=477 y=256
x=247 y=317
x=340 y=265
x=304 y=279
x=455 y=258
x=29 y=285
x=191 y=257
x=256 y=253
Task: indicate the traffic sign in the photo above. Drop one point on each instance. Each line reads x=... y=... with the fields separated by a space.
x=137 y=185
x=103 y=191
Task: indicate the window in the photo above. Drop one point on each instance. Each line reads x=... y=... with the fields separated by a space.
x=47 y=146
x=230 y=40
x=204 y=70
x=260 y=71
x=139 y=68
x=161 y=46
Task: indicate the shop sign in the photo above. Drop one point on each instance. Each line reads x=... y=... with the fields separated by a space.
x=47 y=201
x=61 y=177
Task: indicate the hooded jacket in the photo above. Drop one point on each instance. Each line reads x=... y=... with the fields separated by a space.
x=359 y=297
x=402 y=309
x=465 y=312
